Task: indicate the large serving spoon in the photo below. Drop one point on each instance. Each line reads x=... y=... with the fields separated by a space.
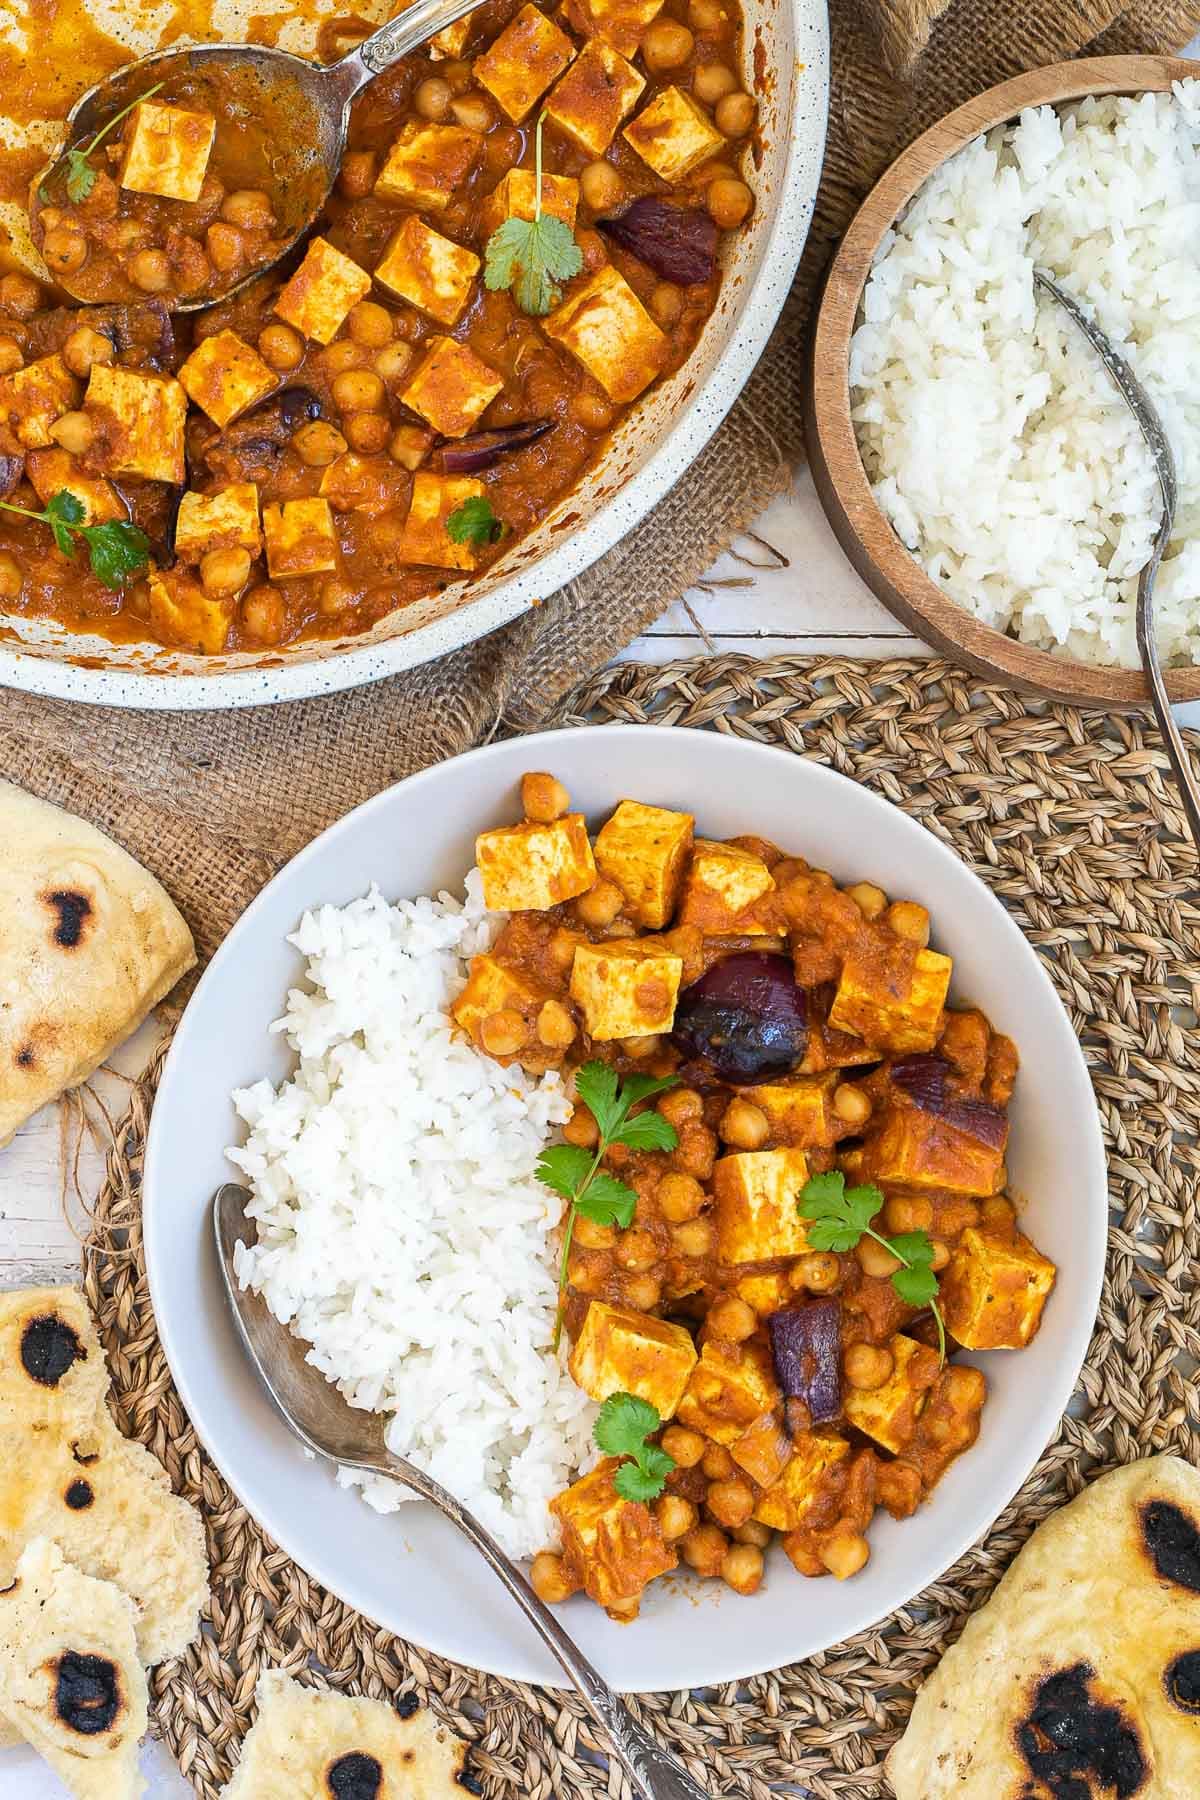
x=327 y=1424
x=311 y=99
x=1151 y=427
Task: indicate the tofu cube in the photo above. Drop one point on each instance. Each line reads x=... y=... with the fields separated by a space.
x=620 y=23
x=35 y=397
x=147 y=414
x=673 y=135
x=799 y=1110
x=451 y=387
x=531 y=867
x=624 y=989
x=764 y=1450
x=425 y=538
x=322 y=291
x=54 y=472
x=218 y=522
x=620 y=1351
x=516 y=198
x=301 y=538
x=894 y=1004
x=494 y=987
x=721 y=887
x=449 y=43
x=889 y=1414
x=729 y=1391
x=519 y=66
x=605 y=327
x=427 y=164
x=614 y=1545
x=766 y=1291
x=643 y=850
x=167 y=150
x=804 y=1482
x=431 y=272
x=756 y=1194
x=915 y=1149
x=598 y=91
x=184 y=614
x=993 y=1290
x=225 y=377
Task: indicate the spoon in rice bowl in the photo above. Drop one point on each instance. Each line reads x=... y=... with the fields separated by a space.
x=327 y=1424
x=1151 y=427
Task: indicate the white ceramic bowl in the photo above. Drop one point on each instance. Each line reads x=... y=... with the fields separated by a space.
x=410 y=1571
x=649 y=453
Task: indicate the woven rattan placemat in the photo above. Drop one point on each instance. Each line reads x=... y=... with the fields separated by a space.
x=1071 y=820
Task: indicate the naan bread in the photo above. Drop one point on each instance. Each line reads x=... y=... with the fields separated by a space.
x=70 y=1678
x=90 y=943
x=310 y=1745
x=1080 y=1679
x=52 y=1369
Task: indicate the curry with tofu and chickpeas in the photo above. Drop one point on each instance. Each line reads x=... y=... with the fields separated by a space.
x=397 y=403
x=817 y=1223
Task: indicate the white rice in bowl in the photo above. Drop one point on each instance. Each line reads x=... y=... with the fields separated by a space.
x=994 y=441
x=402 y=1231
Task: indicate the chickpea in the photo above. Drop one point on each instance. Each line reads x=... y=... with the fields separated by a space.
x=281 y=348
x=459 y=74
x=742 y=1568
x=733 y=1319
x=997 y=1213
x=432 y=98
x=729 y=201
x=224 y=572
x=703 y=1549
x=549 y=1578
x=905 y=1212
x=676 y=1516
x=666 y=304
x=64 y=250
x=875 y=1260
x=581 y=1128
x=262 y=613
x=649 y=1044
x=666 y=45
x=735 y=114
x=555 y=1026
x=753 y=1533
x=85 y=348
x=868 y=1367
x=191 y=266
x=21 y=295
x=11 y=578
x=693 y=1239
x=643 y=1292
x=708 y=16
x=850 y=1104
x=590 y=1236
x=409 y=446
x=503 y=1033
x=75 y=432
x=623 y=1612
x=744 y=1125
x=393 y=363
x=318 y=444
x=600 y=186
x=226 y=247
x=819 y=1271
x=11 y=358
x=712 y=81
x=636 y=1251
x=473 y=112
x=717 y=1463
x=908 y=920
x=600 y=905
x=127 y=234
x=590 y=409
x=681 y=1106
x=357 y=175
x=344 y=355
x=696 y=1151
x=150 y=271
x=869 y=899
x=684 y=1447
x=367 y=432
x=334 y=596
x=730 y=1502
x=358 y=390
x=966 y=1388
x=941 y=1254
x=845 y=1554
x=543 y=797
x=370 y=324
x=249 y=209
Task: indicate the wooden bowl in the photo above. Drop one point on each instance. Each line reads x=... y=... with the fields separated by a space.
x=866 y=536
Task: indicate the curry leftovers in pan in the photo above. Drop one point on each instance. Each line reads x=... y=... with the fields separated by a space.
x=785 y=1187
x=524 y=236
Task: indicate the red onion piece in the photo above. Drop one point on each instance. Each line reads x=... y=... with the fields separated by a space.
x=923 y=1079
x=677 y=243
x=480 y=449
x=746 y=1017
x=806 y=1345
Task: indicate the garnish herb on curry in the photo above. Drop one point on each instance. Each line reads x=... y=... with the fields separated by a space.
x=523 y=238
x=785 y=1177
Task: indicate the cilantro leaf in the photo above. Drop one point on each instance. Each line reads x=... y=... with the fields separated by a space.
x=624 y=1424
x=529 y=257
x=474 y=522
x=641 y=1087
x=81 y=177
x=657 y=1462
x=648 y=1131
x=916 y=1287
x=116 y=550
x=635 y=1483
x=607 y=1201
x=839 y=1215
x=563 y=1167
x=64 y=510
x=596 y=1084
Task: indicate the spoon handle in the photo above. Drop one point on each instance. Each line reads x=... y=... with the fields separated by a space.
x=654 y=1772
x=406 y=32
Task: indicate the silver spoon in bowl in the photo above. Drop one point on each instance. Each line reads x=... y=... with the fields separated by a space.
x=326 y=1423
x=1151 y=427
x=313 y=98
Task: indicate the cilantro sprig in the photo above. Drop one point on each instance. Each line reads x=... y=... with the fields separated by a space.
x=81 y=177
x=474 y=522
x=841 y=1217
x=622 y=1429
x=116 y=550
x=575 y=1173
x=530 y=257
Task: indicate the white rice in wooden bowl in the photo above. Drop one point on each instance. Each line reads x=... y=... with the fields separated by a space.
x=995 y=442
x=402 y=1231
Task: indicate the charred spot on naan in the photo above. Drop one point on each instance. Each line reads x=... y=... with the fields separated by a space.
x=80 y=1495
x=1172 y=1540
x=356 y=1776
x=72 y=909
x=467 y=1778
x=26 y=1056
x=1076 y=1744
x=1182 y=1682
x=87 y=1694
x=49 y=1347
